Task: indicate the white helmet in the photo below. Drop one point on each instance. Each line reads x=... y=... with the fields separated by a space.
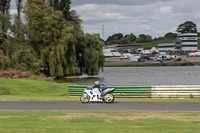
x=96 y=83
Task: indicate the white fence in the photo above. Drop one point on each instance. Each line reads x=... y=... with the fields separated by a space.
x=176 y=91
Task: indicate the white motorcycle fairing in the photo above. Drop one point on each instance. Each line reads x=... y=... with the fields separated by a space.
x=95 y=95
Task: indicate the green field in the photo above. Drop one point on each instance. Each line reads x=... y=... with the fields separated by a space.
x=154 y=43
x=98 y=122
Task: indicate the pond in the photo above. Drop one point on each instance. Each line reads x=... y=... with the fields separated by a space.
x=142 y=76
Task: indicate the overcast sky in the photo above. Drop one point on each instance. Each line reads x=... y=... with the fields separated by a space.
x=153 y=17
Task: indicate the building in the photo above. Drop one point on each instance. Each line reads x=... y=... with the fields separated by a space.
x=184 y=42
x=149 y=50
x=118 y=49
x=165 y=47
x=187 y=42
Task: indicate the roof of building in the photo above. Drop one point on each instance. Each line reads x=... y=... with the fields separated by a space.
x=166 y=44
x=148 y=48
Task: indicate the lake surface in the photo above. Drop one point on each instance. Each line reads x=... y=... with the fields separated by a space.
x=131 y=76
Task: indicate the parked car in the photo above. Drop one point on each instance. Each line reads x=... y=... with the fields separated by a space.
x=178 y=58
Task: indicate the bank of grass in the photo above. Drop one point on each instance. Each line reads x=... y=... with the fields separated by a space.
x=153 y=64
x=98 y=122
x=154 y=43
x=45 y=90
x=32 y=89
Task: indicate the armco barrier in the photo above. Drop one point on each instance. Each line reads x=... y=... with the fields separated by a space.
x=175 y=91
x=120 y=92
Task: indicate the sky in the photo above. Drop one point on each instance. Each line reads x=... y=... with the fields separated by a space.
x=152 y=17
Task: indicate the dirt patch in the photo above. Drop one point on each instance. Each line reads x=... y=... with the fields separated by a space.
x=133 y=116
x=15 y=74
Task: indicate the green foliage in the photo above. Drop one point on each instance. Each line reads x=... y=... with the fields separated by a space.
x=93 y=58
x=170 y=35
x=51 y=39
x=4 y=40
x=23 y=58
x=142 y=38
x=59 y=41
x=187 y=27
x=120 y=39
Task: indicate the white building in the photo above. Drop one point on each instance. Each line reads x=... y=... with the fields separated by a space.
x=150 y=50
x=110 y=52
x=165 y=47
x=185 y=42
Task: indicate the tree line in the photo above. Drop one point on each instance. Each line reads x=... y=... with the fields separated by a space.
x=119 y=38
x=45 y=36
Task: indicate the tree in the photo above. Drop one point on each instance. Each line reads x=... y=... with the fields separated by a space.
x=130 y=38
x=170 y=35
x=142 y=38
x=93 y=58
x=64 y=6
x=4 y=35
x=117 y=36
x=187 y=27
x=55 y=41
x=22 y=55
x=59 y=42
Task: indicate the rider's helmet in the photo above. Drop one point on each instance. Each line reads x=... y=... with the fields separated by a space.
x=96 y=82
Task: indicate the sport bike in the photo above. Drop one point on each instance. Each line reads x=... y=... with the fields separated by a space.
x=94 y=95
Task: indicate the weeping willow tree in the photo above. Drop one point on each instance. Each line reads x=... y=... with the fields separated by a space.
x=93 y=58
x=57 y=37
x=52 y=37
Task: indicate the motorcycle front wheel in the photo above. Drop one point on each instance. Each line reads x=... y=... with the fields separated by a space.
x=85 y=98
x=109 y=98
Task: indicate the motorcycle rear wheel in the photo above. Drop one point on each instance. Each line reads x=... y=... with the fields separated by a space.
x=109 y=98
x=85 y=98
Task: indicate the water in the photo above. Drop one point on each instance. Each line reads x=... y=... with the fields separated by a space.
x=131 y=76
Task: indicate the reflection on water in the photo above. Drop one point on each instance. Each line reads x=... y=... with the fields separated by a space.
x=131 y=76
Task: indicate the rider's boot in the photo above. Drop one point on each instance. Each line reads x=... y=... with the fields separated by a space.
x=102 y=96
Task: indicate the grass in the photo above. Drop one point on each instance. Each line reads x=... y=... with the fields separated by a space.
x=98 y=122
x=44 y=90
x=198 y=44
x=154 y=43
x=32 y=89
x=153 y=64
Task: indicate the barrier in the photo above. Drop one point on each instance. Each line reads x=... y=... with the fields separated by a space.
x=120 y=92
x=175 y=91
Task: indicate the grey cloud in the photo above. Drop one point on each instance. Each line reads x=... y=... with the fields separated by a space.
x=116 y=2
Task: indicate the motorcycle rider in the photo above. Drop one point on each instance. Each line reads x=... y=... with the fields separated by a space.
x=101 y=87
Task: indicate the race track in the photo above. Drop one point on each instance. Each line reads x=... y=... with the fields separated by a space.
x=117 y=106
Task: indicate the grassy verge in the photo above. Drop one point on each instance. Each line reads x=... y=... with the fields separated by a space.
x=43 y=90
x=33 y=89
x=153 y=64
x=98 y=122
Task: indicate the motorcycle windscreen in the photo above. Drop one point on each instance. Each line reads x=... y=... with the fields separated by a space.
x=109 y=90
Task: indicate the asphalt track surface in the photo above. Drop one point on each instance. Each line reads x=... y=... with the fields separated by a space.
x=116 y=106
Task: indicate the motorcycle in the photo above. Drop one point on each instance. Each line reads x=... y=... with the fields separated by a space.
x=94 y=95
